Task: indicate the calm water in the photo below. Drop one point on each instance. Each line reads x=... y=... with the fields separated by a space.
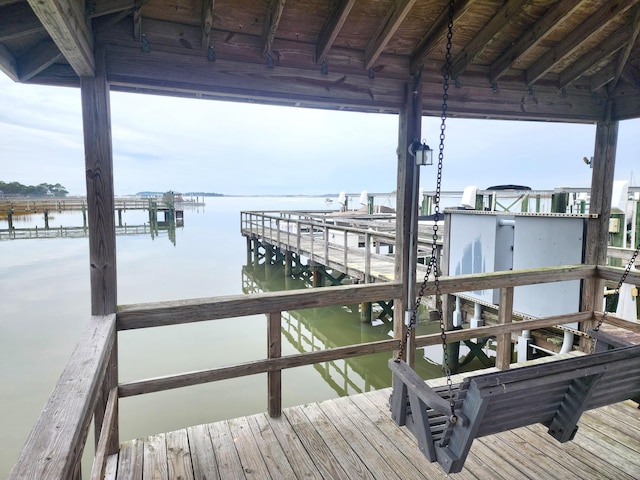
x=44 y=287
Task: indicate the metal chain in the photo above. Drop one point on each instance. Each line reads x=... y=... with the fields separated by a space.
x=617 y=291
x=433 y=261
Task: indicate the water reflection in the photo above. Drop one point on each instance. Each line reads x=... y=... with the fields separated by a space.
x=329 y=327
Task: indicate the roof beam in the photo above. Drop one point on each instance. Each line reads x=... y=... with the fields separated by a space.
x=8 y=63
x=39 y=58
x=555 y=16
x=596 y=55
x=99 y=8
x=435 y=33
x=602 y=77
x=385 y=31
x=271 y=21
x=487 y=35
x=207 y=21
x=332 y=27
x=624 y=56
x=65 y=22
x=580 y=34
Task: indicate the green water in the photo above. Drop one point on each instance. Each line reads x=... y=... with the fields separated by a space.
x=44 y=285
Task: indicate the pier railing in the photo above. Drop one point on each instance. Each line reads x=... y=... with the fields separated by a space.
x=348 y=243
x=55 y=445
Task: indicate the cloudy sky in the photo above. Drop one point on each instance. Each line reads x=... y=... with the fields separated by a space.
x=163 y=143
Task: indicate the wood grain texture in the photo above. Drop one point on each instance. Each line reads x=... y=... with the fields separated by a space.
x=55 y=444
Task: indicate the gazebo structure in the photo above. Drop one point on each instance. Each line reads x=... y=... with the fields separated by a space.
x=544 y=60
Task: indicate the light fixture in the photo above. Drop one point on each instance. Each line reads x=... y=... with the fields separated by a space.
x=588 y=161
x=421 y=152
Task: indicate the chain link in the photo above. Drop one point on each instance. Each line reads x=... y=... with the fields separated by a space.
x=617 y=291
x=432 y=267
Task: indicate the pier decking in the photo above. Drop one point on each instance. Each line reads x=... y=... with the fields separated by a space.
x=354 y=437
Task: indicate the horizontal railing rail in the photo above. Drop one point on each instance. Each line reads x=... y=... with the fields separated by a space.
x=54 y=447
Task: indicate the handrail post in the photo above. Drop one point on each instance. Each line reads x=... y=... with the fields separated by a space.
x=278 y=231
x=274 y=377
x=326 y=246
x=505 y=311
x=367 y=257
x=346 y=248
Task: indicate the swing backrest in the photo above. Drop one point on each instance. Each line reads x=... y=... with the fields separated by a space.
x=554 y=394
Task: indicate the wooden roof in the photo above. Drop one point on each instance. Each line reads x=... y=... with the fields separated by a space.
x=521 y=59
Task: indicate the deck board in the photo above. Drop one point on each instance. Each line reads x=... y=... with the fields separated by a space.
x=354 y=437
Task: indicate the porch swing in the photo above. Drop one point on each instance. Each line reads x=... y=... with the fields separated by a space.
x=445 y=420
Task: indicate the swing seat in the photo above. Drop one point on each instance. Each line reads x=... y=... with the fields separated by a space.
x=554 y=394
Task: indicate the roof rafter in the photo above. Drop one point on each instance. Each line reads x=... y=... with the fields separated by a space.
x=271 y=21
x=99 y=8
x=602 y=77
x=607 y=48
x=207 y=21
x=385 y=31
x=591 y=26
x=65 y=22
x=8 y=63
x=437 y=30
x=483 y=39
x=18 y=21
x=332 y=27
x=631 y=74
x=40 y=57
x=624 y=56
x=555 y=16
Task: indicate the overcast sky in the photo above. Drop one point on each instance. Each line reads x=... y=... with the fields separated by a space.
x=163 y=143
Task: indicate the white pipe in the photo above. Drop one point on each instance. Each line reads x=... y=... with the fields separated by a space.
x=567 y=342
x=505 y=222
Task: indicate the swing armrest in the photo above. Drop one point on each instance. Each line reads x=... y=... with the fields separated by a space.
x=424 y=392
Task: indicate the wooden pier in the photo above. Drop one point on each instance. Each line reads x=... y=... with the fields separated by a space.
x=354 y=437
x=359 y=245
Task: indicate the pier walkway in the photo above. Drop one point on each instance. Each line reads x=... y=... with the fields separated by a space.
x=359 y=245
x=354 y=437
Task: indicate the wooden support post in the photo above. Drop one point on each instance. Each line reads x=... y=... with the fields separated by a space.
x=249 y=248
x=317 y=275
x=46 y=219
x=96 y=122
x=10 y=220
x=365 y=312
x=409 y=129
x=505 y=311
x=119 y=217
x=597 y=236
x=288 y=264
x=274 y=377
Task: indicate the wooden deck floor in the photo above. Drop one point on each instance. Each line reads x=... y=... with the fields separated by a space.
x=354 y=437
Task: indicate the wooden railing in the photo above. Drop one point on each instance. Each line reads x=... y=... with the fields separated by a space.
x=314 y=234
x=55 y=445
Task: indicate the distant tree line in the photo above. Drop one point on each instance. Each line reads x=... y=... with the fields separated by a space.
x=42 y=190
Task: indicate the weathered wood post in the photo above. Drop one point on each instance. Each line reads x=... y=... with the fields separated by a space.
x=96 y=122
x=46 y=219
x=274 y=350
x=597 y=236
x=410 y=126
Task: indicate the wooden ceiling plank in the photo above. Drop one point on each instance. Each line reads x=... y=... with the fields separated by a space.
x=596 y=55
x=624 y=56
x=40 y=57
x=631 y=74
x=137 y=25
x=435 y=34
x=18 y=21
x=65 y=22
x=602 y=77
x=271 y=22
x=386 y=30
x=591 y=26
x=99 y=8
x=8 y=63
x=483 y=39
x=554 y=17
x=332 y=27
x=207 y=21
